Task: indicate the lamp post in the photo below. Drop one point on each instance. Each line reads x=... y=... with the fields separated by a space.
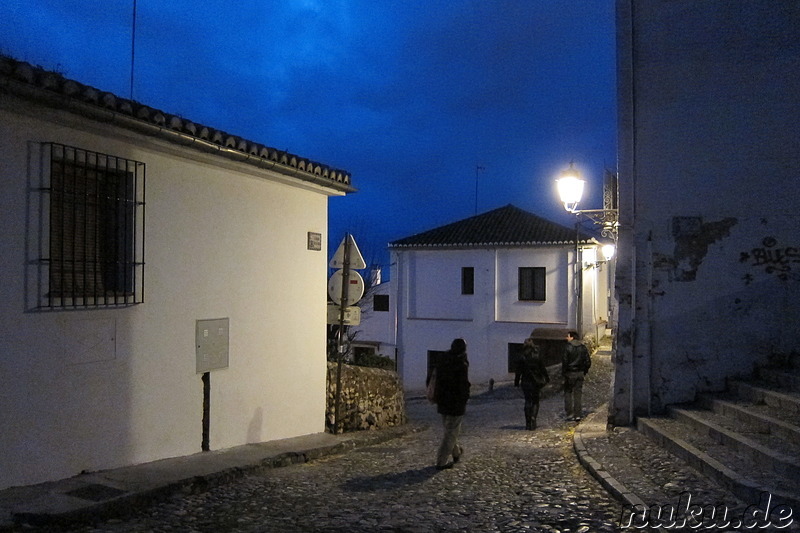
x=570 y=186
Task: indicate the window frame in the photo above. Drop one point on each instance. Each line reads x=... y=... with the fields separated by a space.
x=468 y=281
x=92 y=224
x=532 y=284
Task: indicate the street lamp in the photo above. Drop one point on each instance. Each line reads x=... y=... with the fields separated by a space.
x=570 y=188
x=608 y=251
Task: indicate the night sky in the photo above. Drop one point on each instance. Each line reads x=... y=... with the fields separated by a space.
x=414 y=98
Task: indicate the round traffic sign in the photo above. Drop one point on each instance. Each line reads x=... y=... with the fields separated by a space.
x=355 y=287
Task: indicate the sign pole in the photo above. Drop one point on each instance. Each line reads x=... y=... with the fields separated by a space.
x=339 y=343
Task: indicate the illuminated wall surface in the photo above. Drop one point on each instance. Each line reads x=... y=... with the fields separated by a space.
x=708 y=272
x=431 y=311
x=97 y=388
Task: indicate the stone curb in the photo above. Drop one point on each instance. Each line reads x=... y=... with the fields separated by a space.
x=596 y=469
x=134 y=500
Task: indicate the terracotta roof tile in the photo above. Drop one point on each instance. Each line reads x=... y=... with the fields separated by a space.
x=54 y=90
x=505 y=226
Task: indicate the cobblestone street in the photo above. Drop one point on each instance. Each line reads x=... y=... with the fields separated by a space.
x=508 y=480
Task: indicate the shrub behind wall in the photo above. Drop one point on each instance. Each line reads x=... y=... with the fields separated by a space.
x=371 y=398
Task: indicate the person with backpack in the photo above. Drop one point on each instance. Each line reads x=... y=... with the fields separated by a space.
x=531 y=374
x=451 y=394
x=574 y=366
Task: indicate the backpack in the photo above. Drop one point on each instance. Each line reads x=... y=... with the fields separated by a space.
x=430 y=391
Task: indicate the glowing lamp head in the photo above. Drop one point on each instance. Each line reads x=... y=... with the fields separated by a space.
x=570 y=187
x=608 y=251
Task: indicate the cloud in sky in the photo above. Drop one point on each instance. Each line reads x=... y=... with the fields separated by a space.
x=410 y=96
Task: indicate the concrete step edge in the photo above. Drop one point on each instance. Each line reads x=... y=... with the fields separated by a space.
x=760 y=394
x=780 y=377
x=743 y=487
x=774 y=426
x=780 y=463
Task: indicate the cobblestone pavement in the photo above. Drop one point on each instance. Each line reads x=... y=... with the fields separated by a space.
x=508 y=480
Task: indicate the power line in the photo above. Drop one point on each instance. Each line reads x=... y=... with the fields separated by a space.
x=133 y=46
x=478 y=169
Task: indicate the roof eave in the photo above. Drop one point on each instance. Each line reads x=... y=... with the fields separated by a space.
x=168 y=127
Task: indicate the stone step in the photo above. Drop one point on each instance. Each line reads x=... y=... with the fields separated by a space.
x=750 y=441
x=785 y=404
x=763 y=418
x=784 y=379
x=726 y=465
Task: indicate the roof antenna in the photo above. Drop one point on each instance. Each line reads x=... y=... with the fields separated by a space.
x=478 y=169
x=133 y=45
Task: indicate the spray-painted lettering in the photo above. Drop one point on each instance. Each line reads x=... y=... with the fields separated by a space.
x=774 y=259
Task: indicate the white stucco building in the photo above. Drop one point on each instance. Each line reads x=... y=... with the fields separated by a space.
x=163 y=283
x=491 y=279
x=708 y=274
x=377 y=332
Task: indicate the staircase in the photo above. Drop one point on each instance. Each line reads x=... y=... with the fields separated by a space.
x=746 y=439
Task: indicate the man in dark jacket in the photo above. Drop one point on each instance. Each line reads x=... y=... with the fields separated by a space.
x=574 y=366
x=531 y=373
x=452 y=393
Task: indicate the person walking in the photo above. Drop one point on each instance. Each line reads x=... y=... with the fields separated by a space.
x=574 y=366
x=531 y=374
x=451 y=395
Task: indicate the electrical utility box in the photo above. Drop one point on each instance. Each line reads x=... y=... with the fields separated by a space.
x=211 y=340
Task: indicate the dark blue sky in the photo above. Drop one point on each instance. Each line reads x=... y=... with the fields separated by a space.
x=409 y=96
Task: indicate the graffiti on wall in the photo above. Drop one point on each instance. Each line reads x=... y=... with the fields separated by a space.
x=780 y=261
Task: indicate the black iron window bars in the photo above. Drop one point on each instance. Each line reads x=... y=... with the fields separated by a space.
x=95 y=222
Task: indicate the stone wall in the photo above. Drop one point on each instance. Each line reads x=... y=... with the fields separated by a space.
x=371 y=398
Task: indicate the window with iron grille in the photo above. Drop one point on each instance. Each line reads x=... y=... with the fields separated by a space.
x=532 y=286
x=95 y=228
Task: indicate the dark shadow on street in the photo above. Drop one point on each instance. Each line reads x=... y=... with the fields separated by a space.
x=390 y=480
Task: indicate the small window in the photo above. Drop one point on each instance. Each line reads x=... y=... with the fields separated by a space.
x=467 y=280
x=95 y=229
x=380 y=302
x=532 y=286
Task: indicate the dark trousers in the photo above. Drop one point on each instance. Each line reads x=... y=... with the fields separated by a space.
x=573 y=394
x=449 y=446
x=531 y=394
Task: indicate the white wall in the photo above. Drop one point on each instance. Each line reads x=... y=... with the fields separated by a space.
x=555 y=309
x=708 y=275
x=432 y=311
x=378 y=326
x=94 y=389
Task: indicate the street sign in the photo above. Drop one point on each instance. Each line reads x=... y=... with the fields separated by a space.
x=356 y=259
x=355 y=289
x=352 y=315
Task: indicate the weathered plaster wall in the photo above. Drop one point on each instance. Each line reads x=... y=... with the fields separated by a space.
x=371 y=398
x=722 y=301
x=708 y=267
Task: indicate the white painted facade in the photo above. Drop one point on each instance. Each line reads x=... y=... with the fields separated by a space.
x=378 y=328
x=431 y=311
x=708 y=267
x=102 y=388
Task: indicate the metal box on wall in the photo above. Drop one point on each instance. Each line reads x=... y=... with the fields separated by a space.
x=211 y=340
